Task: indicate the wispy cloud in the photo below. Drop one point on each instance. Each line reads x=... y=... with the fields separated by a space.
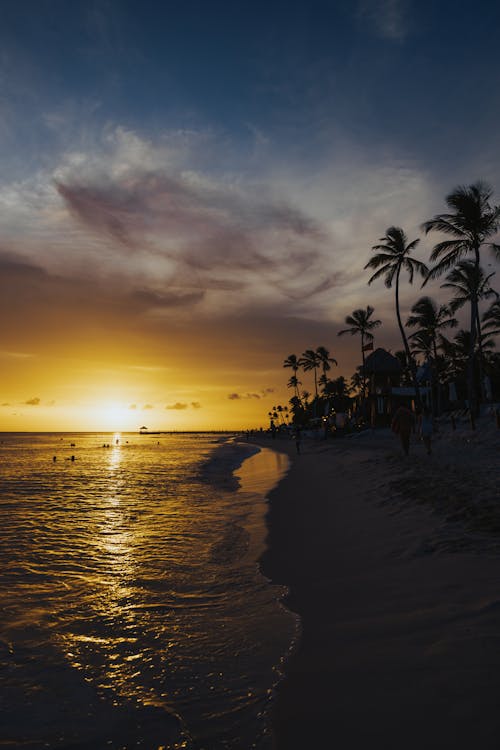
x=389 y=18
x=151 y=235
x=237 y=396
x=137 y=214
x=15 y=355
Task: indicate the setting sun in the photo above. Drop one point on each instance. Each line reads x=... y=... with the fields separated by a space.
x=115 y=417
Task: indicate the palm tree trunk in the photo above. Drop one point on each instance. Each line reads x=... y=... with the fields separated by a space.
x=418 y=400
x=481 y=357
x=435 y=376
x=295 y=370
x=471 y=390
x=363 y=358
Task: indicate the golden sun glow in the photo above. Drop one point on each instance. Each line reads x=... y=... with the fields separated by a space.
x=114 y=416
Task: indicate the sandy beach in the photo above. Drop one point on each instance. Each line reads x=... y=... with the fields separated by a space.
x=393 y=564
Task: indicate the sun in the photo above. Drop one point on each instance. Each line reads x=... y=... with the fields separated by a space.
x=115 y=417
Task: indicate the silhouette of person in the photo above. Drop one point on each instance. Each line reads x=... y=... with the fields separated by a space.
x=426 y=428
x=298 y=439
x=402 y=424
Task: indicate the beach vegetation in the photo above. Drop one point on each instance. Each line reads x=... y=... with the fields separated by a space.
x=360 y=323
x=430 y=319
x=463 y=369
x=294 y=383
x=310 y=361
x=491 y=318
x=393 y=256
x=469 y=225
x=468 y=281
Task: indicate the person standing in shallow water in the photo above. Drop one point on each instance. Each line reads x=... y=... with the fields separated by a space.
x=402 y=423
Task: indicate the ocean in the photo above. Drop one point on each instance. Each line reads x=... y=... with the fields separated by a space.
x=133 y=610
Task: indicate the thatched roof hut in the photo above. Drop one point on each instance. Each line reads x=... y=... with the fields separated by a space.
x=381 y=361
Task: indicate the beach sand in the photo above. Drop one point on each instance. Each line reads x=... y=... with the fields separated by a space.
x=393 y=564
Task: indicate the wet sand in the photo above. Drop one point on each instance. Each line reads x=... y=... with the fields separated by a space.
x=393 y=565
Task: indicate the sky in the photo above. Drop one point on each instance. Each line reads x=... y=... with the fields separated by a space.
x=189 y=193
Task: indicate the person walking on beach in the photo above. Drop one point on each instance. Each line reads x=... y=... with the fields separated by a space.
x=298 y=439
x=402 y=423
x=426 y=428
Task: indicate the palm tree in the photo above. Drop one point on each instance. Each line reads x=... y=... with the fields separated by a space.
x=428 y=317
x=294 y=383
x=457 y=351
x=360 y=322
x=469 y=281
x=395 y=256
x=406 y=373
x=324 y=382
x=357 y=380
x=324 y=360
x=293 y=362
x=465 y=280
x=310 y=361
x=430 y=320
x=421 y=344
x=491 y=318
x=471 y=222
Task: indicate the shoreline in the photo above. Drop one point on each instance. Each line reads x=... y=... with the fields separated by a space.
x=396 y=587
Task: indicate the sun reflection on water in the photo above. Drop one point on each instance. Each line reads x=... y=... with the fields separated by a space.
x=143 y=578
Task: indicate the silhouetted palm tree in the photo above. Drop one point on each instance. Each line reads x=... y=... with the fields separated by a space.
x=430 y=321
x=294 y=383
x=360 y=323
x=310 y=361
x=324 y=382
x=395 y=256
x=293 y=362
x=469 y=282
x=457 y=351
x=428 y=317
x=491 y=319
x=357 y=380
x=324 y=360
x=467 y=279
x=421 y=343
x=471 y=223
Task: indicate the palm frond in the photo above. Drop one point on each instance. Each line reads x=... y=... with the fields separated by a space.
x=389 y=278
x=352 y=331
x=495 y=250
x=413 y=245
x=459 y=247
x=376 y=260
x=380 y=272
x=444 y=223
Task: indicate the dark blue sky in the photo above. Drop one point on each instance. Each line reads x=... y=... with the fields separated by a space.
x=421 y=77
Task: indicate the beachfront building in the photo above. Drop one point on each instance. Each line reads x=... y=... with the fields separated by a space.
x=383 y=373
x=385 y=391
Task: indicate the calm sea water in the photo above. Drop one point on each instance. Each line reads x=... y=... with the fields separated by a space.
x=133 y=612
